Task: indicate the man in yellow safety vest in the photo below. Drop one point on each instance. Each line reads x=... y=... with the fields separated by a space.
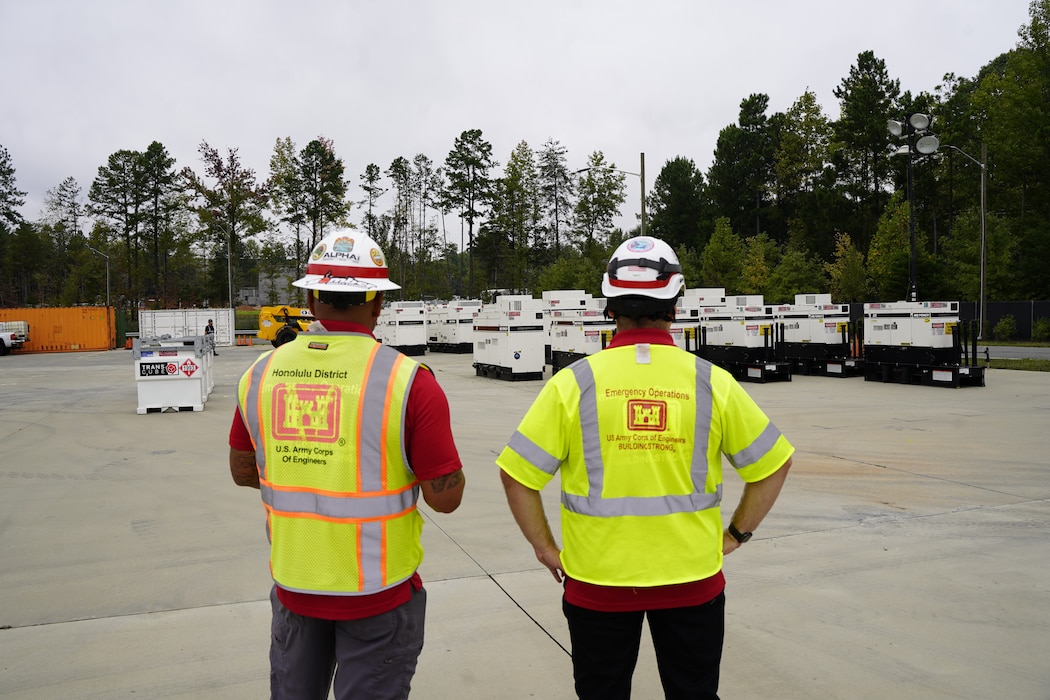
x=637 y=432
x=341 y=434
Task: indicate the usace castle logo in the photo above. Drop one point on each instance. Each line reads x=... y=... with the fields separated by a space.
x=646 y=415
x=306 y=412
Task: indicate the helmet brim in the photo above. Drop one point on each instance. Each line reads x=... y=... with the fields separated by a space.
x=347 y=285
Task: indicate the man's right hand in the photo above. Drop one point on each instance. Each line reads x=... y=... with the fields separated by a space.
x=551 y=558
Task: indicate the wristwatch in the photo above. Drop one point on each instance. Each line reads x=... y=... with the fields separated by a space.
x=740 y=537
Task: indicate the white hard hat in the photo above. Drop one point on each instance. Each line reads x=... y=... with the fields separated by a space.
x=346 y=261
x=643 y=266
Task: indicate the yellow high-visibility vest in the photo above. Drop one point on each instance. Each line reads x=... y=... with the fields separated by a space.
x=326 y=417
x=637 y=433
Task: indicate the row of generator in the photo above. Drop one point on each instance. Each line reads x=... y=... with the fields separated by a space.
x=517 y=336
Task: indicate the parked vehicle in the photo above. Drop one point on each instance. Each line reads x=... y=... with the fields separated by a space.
x=13 y=335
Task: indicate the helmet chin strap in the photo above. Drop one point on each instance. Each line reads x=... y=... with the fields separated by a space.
x=663 y=267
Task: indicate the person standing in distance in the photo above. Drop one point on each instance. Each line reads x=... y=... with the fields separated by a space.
x=637 y=432
x=209 y=330
x=341 y=434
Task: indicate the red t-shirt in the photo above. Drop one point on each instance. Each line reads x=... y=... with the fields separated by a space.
x=431 y=454
x=623 y=599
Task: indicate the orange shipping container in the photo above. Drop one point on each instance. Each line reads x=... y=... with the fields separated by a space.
x=67 y=329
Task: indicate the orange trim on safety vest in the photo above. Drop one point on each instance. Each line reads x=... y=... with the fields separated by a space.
x=359 y=553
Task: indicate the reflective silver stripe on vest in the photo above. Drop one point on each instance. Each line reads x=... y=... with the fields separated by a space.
x=594 y=504
x=757 y=449
x=251 y=406
x=374 y=415
x=370 y=508
x=533 y=453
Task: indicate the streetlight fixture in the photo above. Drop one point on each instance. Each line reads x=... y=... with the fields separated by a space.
x=640 y=175
x=94 y=250
x=984 y=168
x=917 y=141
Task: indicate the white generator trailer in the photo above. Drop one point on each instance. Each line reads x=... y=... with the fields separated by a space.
x=741 y=339
x=510 y=336
x=451 y=326
x=685 y=329
x=816 y=336
x=919 y=342
x=402 y=325
x=577 y=326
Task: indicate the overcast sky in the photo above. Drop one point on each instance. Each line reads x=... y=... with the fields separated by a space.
x=82 y=79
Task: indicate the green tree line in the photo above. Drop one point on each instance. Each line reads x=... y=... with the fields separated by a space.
x=793 y=201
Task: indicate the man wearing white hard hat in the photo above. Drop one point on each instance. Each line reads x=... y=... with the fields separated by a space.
x=341 y=434
x=637 y=432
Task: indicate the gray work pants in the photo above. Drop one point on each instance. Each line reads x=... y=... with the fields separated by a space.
x=373 y=658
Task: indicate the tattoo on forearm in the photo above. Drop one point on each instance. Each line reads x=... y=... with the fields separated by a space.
x=449 y=481
x=244 y=470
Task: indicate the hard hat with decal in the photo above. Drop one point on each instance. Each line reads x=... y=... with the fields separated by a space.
x=643 y=266
x=347 y=261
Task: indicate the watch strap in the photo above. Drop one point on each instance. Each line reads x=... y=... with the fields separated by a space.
x=740 y=537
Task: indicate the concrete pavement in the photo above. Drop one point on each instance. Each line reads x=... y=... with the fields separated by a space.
x=909 y=555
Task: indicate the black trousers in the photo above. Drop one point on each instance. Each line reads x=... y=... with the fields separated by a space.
x=688 y=644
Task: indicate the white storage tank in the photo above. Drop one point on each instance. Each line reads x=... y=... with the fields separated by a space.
x=172 y=374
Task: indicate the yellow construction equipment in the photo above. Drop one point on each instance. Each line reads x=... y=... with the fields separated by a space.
x=280 y=324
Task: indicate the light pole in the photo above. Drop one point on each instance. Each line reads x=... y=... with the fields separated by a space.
x=229 y=267
x=229 y=256
x=94 y=250
x=557 y=207
x=983 y=163
x=916 y=140
x=640 y=175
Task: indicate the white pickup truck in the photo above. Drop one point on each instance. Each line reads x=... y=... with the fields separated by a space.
x=13 y=335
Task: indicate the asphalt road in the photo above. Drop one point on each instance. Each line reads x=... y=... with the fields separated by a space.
x=1013 y=352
